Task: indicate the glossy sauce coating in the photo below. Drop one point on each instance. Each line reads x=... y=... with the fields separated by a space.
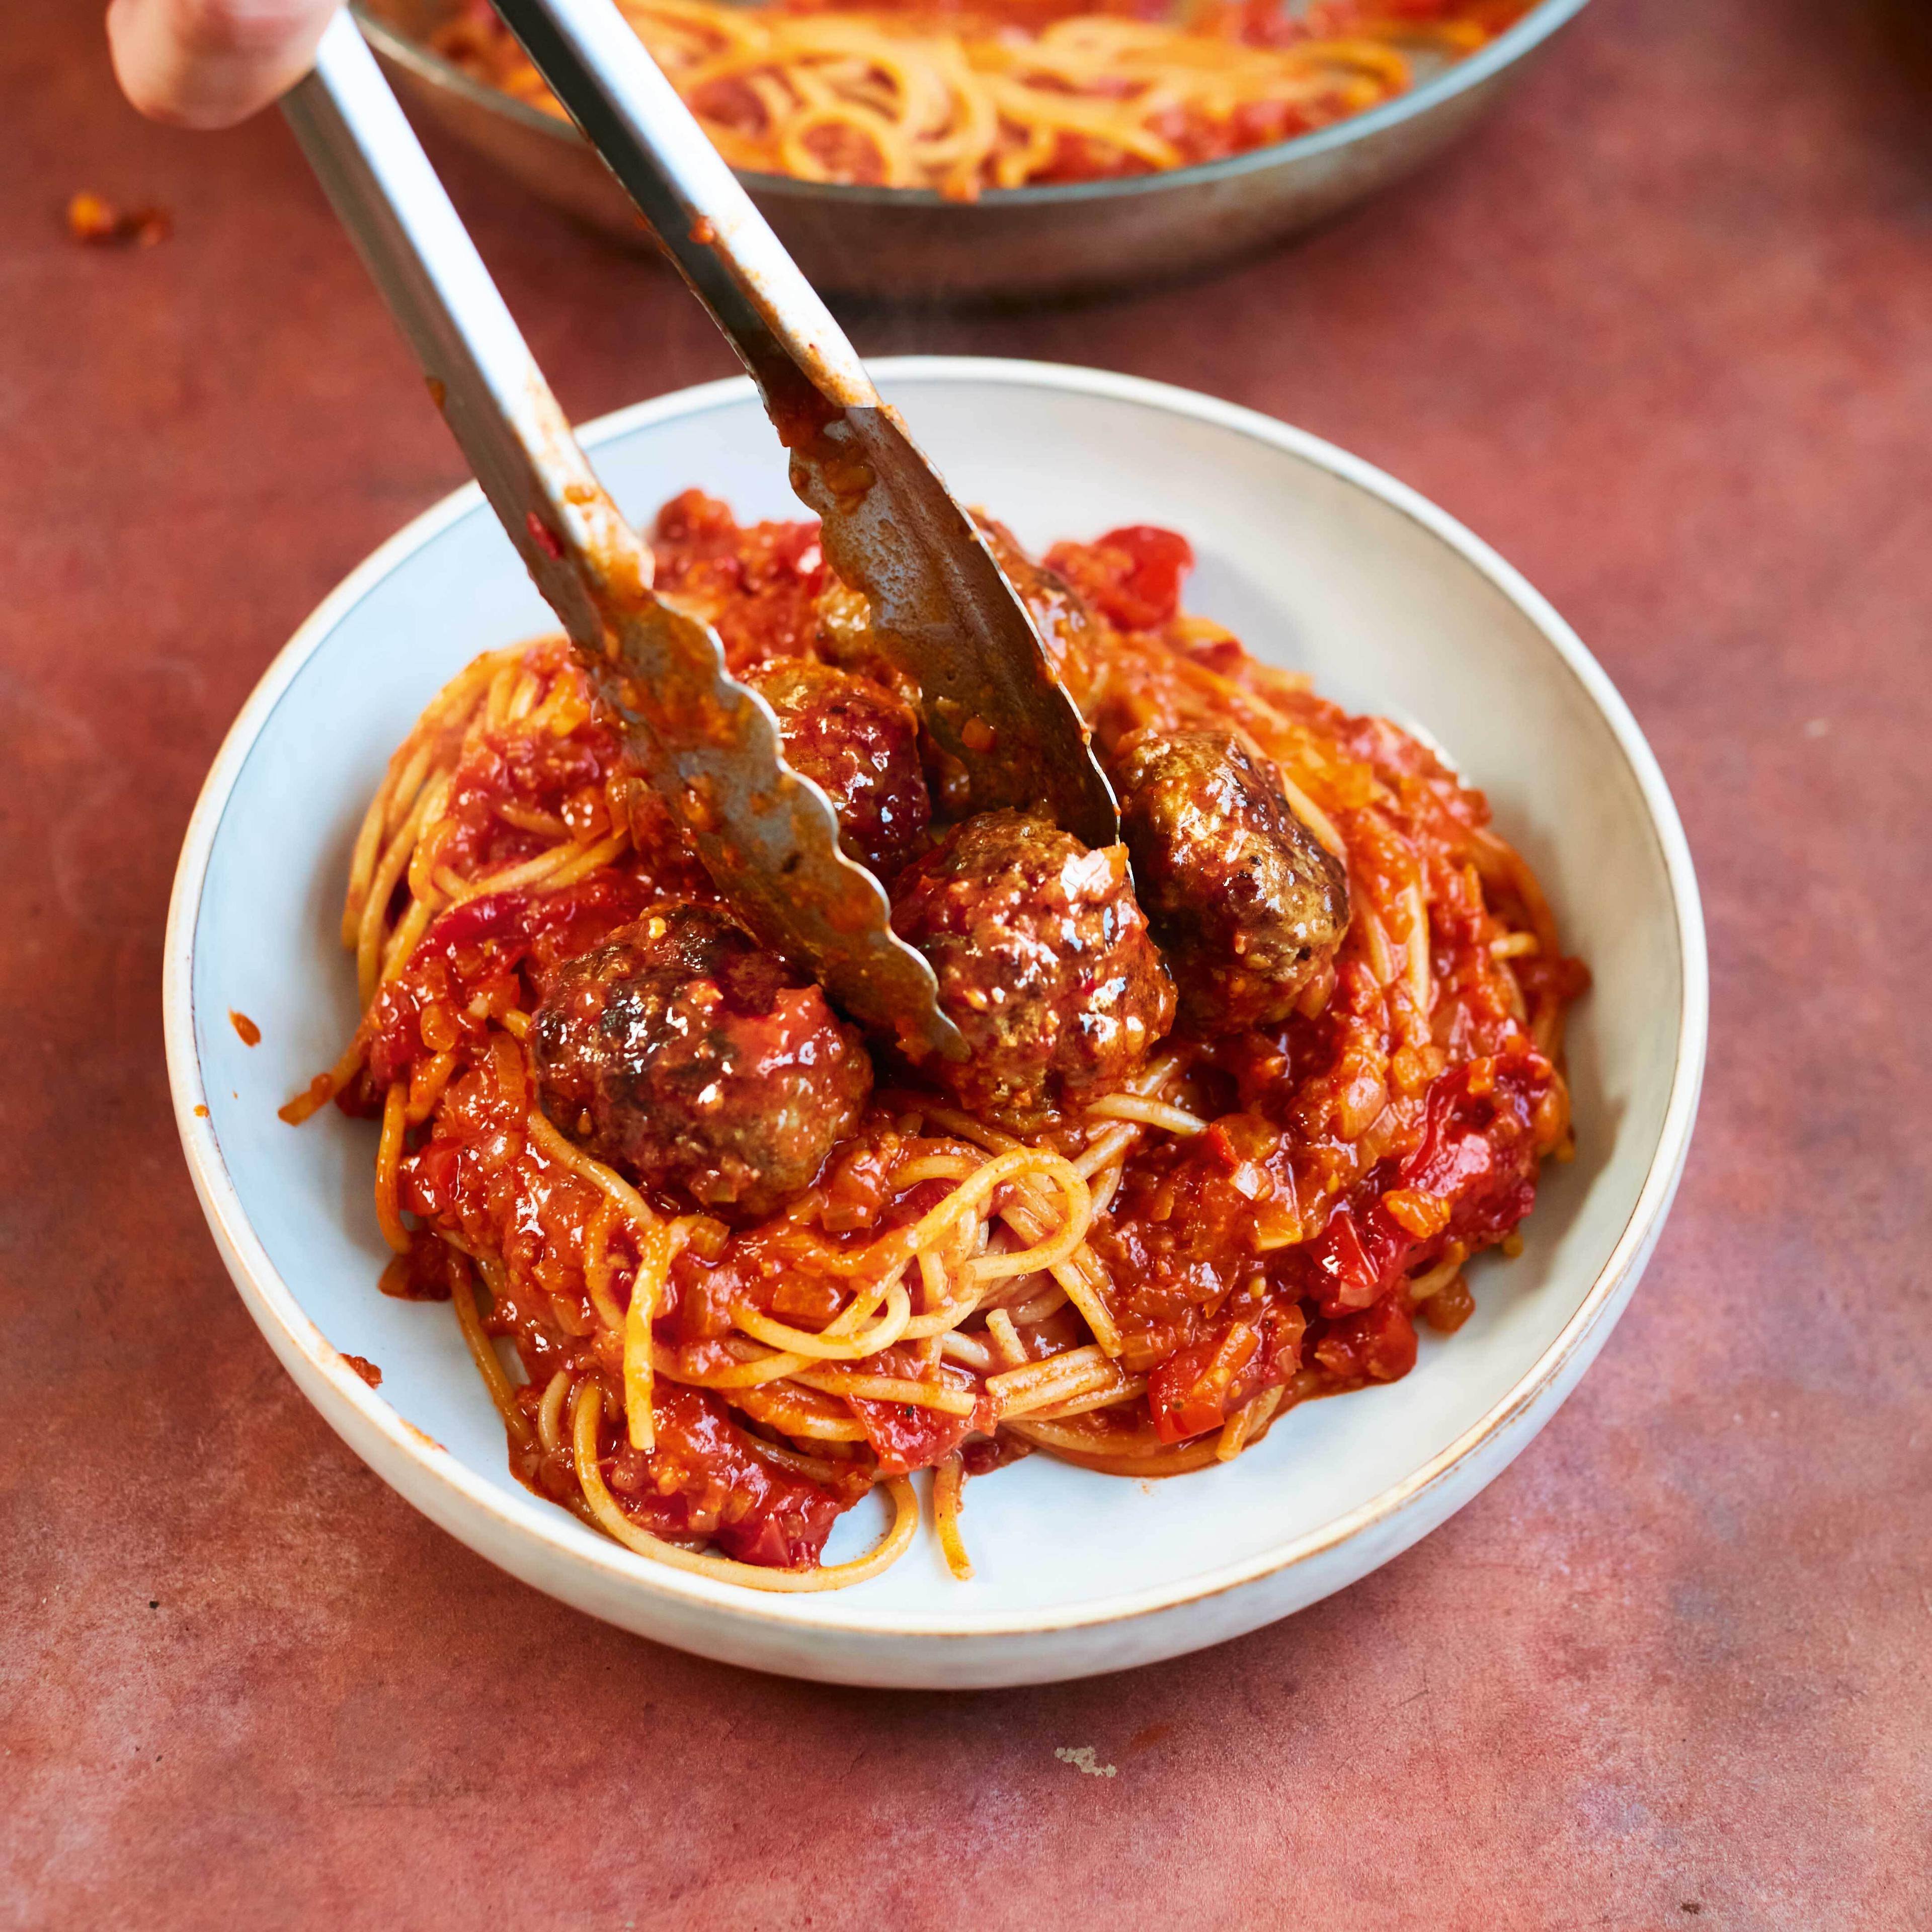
x=1044 y=963
x=687 y=1057
x=1351 y=1143
x=858 y=741
x=1247 y=905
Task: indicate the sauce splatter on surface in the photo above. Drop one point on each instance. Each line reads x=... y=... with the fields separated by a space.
x=251 y=1034
x=200 y=1111
x=366 y=1369
x=94 y=220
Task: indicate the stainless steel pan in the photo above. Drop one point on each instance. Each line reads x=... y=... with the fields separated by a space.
x=1012 y=244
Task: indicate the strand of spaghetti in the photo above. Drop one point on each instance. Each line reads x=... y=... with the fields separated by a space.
x=1105 y=1149
x=656 y=1251
x=402 y=788
x=389 y=1160
x=1112 y=1142
x=525 y=872
x=863 y=1305
x=1104 y=1184
x=965 y=1128
x=766 y=1369
x=608 y=1181
x=1149 y=1113
x=395 y=857
x=940 y=1321
x=786 y=1409
x=1248 y=1424
x=325 y=1086
x=1060 y=1439
x=597 y=1266
x=659 y=1245
x=934 y=1281
x=1079 y=1277
x=588 y=859
x=408 y=934
x=563 y=708
x=753 y=1374
x=1436 y=1279
x=825 y=1347
x=1505 y=858
x=1049 y=1301
x=948 y=1481
x=566 y=1311
x=1006 y=1342
x=1128 y=1390
x=528 y=818
x=796 y=158
x=909 y=1174
x=463 y=1296
x=427 y=1078
x=834 y=1576
x=969 y=1351
x=550 y=1411
x=819 y=1468
x=1059 y=1378
x=890 y=1388
x=401 y=780
x=496 y=703
x=1085 y=1294
x=1057 y=1247
x=522 y=697
x=896 y=1250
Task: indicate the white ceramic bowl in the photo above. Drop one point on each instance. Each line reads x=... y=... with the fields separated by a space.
x=1317 y=561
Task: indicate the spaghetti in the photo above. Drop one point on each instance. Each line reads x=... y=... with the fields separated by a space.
x=1142 y=1283
x=1006 y=93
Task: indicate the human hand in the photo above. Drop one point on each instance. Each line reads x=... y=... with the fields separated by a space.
x=211 y=63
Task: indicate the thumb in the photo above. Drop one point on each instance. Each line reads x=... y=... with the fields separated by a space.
x=211 y=63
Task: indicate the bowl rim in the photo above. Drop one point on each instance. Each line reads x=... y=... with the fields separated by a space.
x=604 y=1566
x=1508 y=47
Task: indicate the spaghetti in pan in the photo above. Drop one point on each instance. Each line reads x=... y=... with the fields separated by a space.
x=1246 y=1094
x=1007 y=94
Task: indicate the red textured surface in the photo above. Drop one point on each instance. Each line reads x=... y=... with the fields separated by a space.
x=1661 y=332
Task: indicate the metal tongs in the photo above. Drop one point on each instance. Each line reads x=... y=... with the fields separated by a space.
x=941 y=607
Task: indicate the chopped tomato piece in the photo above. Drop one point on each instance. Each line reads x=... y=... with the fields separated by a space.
x=1199 y=1387
x=705 y=1478
x=1148 y=593
x=1376 y=1345
x=904 y=1436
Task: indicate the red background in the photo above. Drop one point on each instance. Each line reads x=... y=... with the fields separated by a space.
x=1661 y=333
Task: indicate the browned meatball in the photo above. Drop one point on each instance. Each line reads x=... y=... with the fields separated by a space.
x=1044 y=963
x=1248 y=905
x=860 y=742
x=682 y=1054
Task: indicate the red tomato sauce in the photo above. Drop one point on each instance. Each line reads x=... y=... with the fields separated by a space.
x=1348 y=1150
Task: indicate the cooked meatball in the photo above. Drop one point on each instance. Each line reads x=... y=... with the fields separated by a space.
x=1044 y=963
x=1247 y=904
x=682 y=1054
x=860 y=742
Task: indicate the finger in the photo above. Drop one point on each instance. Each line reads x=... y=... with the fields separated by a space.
x=211 y=63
